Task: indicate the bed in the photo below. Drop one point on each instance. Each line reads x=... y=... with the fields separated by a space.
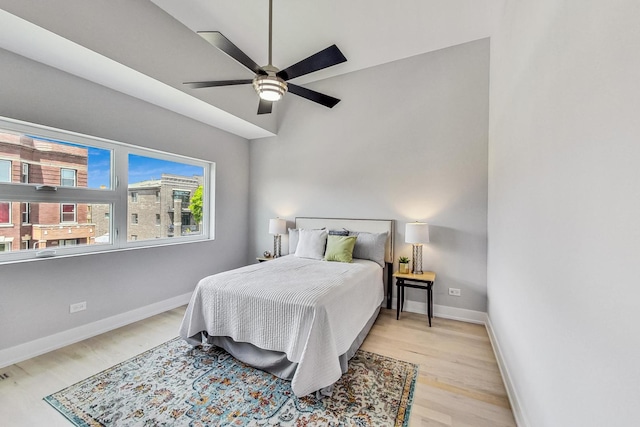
x=297 y=316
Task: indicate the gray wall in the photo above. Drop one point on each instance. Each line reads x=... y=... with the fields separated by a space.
x=408 y=142
x=35 y=296
x=564 y=203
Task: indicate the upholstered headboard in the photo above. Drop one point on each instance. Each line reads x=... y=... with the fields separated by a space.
x=366 y=225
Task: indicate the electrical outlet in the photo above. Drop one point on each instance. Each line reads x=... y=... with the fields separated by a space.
x=455 y=292
x=79 y=306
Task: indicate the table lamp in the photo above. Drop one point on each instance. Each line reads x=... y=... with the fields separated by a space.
x=277 y=227
x=417 y=233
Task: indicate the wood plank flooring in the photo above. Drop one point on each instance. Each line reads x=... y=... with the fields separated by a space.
x=459 y=382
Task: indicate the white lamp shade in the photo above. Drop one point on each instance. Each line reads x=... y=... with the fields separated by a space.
x=277 y=226
x=416 y=232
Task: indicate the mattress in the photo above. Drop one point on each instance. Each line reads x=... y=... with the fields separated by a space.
x=310 y=310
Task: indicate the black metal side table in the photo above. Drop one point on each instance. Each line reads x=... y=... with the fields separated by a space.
x=421 y=281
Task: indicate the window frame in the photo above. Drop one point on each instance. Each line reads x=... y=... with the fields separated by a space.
x=10 y=163
x=62 y=213
x=116 y=195
x=62 y=178
x=25 y=213
x=9 y=216
x=24 y=172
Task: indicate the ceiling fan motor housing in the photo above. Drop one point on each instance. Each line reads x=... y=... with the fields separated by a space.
x=270 y=87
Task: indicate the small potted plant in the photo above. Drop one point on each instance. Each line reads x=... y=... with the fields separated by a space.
x=403 y=264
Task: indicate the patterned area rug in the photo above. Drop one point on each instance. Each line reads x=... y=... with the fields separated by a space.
x=175 y=384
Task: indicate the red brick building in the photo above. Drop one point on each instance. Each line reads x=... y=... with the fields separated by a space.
x=38 y=225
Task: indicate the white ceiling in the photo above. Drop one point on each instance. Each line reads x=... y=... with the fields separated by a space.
x=148 y=54
x=369 y=32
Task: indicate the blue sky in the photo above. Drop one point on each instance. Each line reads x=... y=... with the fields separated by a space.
x=142 y=168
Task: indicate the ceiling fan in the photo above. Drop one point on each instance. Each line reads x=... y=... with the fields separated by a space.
x=269 y=82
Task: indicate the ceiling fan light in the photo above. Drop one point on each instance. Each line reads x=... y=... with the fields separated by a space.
x=270 y=88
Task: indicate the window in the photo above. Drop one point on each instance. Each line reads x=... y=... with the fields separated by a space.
x=5 y=246
x=68 y=212
x=5 y=170
x=175 y=178
x=5 y=213
x=26 y=209
x=65 y=196
x=182 y=195
x=186 y=218
x=67 y=177
x=24 y=177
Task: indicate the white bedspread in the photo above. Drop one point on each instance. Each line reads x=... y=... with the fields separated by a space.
x=311 y=310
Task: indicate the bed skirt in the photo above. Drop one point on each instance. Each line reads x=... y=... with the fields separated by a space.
x=276 y=362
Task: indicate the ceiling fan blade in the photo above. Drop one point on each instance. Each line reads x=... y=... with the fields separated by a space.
x=323 y=59
x=198 y=85
x=312 y=95
x=264 y=107
x=221 y=42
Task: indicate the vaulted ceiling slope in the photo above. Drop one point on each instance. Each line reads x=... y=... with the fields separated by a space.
x=147 y=49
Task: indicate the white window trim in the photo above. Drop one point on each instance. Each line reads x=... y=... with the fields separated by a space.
x=75 y=213
x=6 y=243
x=10 y=223
x=116 y=195
x=27 y=211
x=24 y=172
x=75 y=177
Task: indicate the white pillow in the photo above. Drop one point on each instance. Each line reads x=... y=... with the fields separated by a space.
x=293 y=240
x=311 y=243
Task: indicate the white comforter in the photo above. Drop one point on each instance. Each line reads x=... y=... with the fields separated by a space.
x=311 y=310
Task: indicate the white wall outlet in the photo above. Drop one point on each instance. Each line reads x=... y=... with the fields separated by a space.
x=79 y=306
x=455 y=292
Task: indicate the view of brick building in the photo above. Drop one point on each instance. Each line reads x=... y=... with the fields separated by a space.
x=38 y=225
x=155 y=208
x=160 y=208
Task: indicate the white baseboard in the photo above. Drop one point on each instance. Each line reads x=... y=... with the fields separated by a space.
x=479 y=317
x=43 y=345
x=516 y=406
x=446 y=312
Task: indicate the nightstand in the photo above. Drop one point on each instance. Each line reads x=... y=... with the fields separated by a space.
x=420 y=281
x=264 y=258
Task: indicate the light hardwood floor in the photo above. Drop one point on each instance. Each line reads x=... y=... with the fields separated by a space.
x=459 y=382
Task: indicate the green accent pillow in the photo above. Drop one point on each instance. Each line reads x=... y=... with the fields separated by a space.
x=340 y=248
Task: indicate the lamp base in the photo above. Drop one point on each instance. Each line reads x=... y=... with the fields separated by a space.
x=417 y=259
x=276 y=245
